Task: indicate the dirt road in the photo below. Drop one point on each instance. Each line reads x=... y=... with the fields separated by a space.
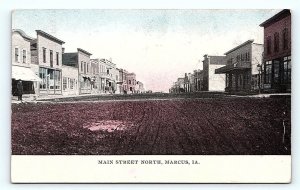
x=219 y=126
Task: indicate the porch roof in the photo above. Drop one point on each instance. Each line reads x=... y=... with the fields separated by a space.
x=232 y=67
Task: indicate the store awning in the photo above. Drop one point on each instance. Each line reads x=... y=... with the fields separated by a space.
x=23 y=73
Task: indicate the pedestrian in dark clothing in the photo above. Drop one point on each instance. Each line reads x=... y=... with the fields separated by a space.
x=20 y=90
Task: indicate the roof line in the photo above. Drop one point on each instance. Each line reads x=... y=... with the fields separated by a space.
x=23 y=34
x=83 y=51
x=284 y=11
x=241 y=45
x=49 y=36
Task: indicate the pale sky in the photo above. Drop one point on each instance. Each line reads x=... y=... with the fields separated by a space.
x=158 y=45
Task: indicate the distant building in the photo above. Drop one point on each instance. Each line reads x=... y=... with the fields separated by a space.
x=21 y=64
x=140 y=87
x=107 y=75
x=131 y=82
x=212 y=81
x=242 y=67
x=123 y=81
x=277 y=52
x=198 y=80
x=46 y=59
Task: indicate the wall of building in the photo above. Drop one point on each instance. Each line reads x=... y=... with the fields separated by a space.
x=216 y=81
x=70 y=80
x=131 y=82
x=270 y=30
x=85 y=73
x=44 y=42
x=22 y=44
x=256 y=57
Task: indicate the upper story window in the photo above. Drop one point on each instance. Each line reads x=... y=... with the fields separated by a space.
x=44 y=55
x=269 y=44
x=24 y=56
x=237 y=59
x=129 y=82
x=87 y=67
x=51 y=58
x=84 y=68
x=276 y=42
x=107 y=71
x=57 y=58
x=81 y=66
x=285 y=38
x=16 y=54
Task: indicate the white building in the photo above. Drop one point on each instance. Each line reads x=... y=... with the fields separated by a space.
x=21 y=64
x=46 y=55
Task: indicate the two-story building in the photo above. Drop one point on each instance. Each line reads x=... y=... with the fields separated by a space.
x=242 y=67
x=212 y=81
x=46 y=59
x=78 y=69
x=106 y=75
x=277 y=52
x=21 y=64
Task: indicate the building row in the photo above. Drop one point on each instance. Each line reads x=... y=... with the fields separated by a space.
x=46 y=69
x=248 y=67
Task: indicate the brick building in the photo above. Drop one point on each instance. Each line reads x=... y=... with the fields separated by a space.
x=277 y=52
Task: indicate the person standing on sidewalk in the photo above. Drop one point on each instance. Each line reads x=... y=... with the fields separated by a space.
x=20 y=90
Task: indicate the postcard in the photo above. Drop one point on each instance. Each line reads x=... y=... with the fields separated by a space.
x=151 y=96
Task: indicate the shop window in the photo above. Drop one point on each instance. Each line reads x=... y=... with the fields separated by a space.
x=276 y=71
x=268 y=72
x=64 y=83
x=287 y=69
x=57 y=79
x=43 y=76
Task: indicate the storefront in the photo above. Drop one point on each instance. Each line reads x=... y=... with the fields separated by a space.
x=50 y=81
x=28 y=78
x=238 y=77
x=277 y=74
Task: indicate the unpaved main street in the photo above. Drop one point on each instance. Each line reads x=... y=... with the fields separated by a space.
x=212 y=126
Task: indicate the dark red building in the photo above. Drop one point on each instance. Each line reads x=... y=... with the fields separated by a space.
x=277 y=52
